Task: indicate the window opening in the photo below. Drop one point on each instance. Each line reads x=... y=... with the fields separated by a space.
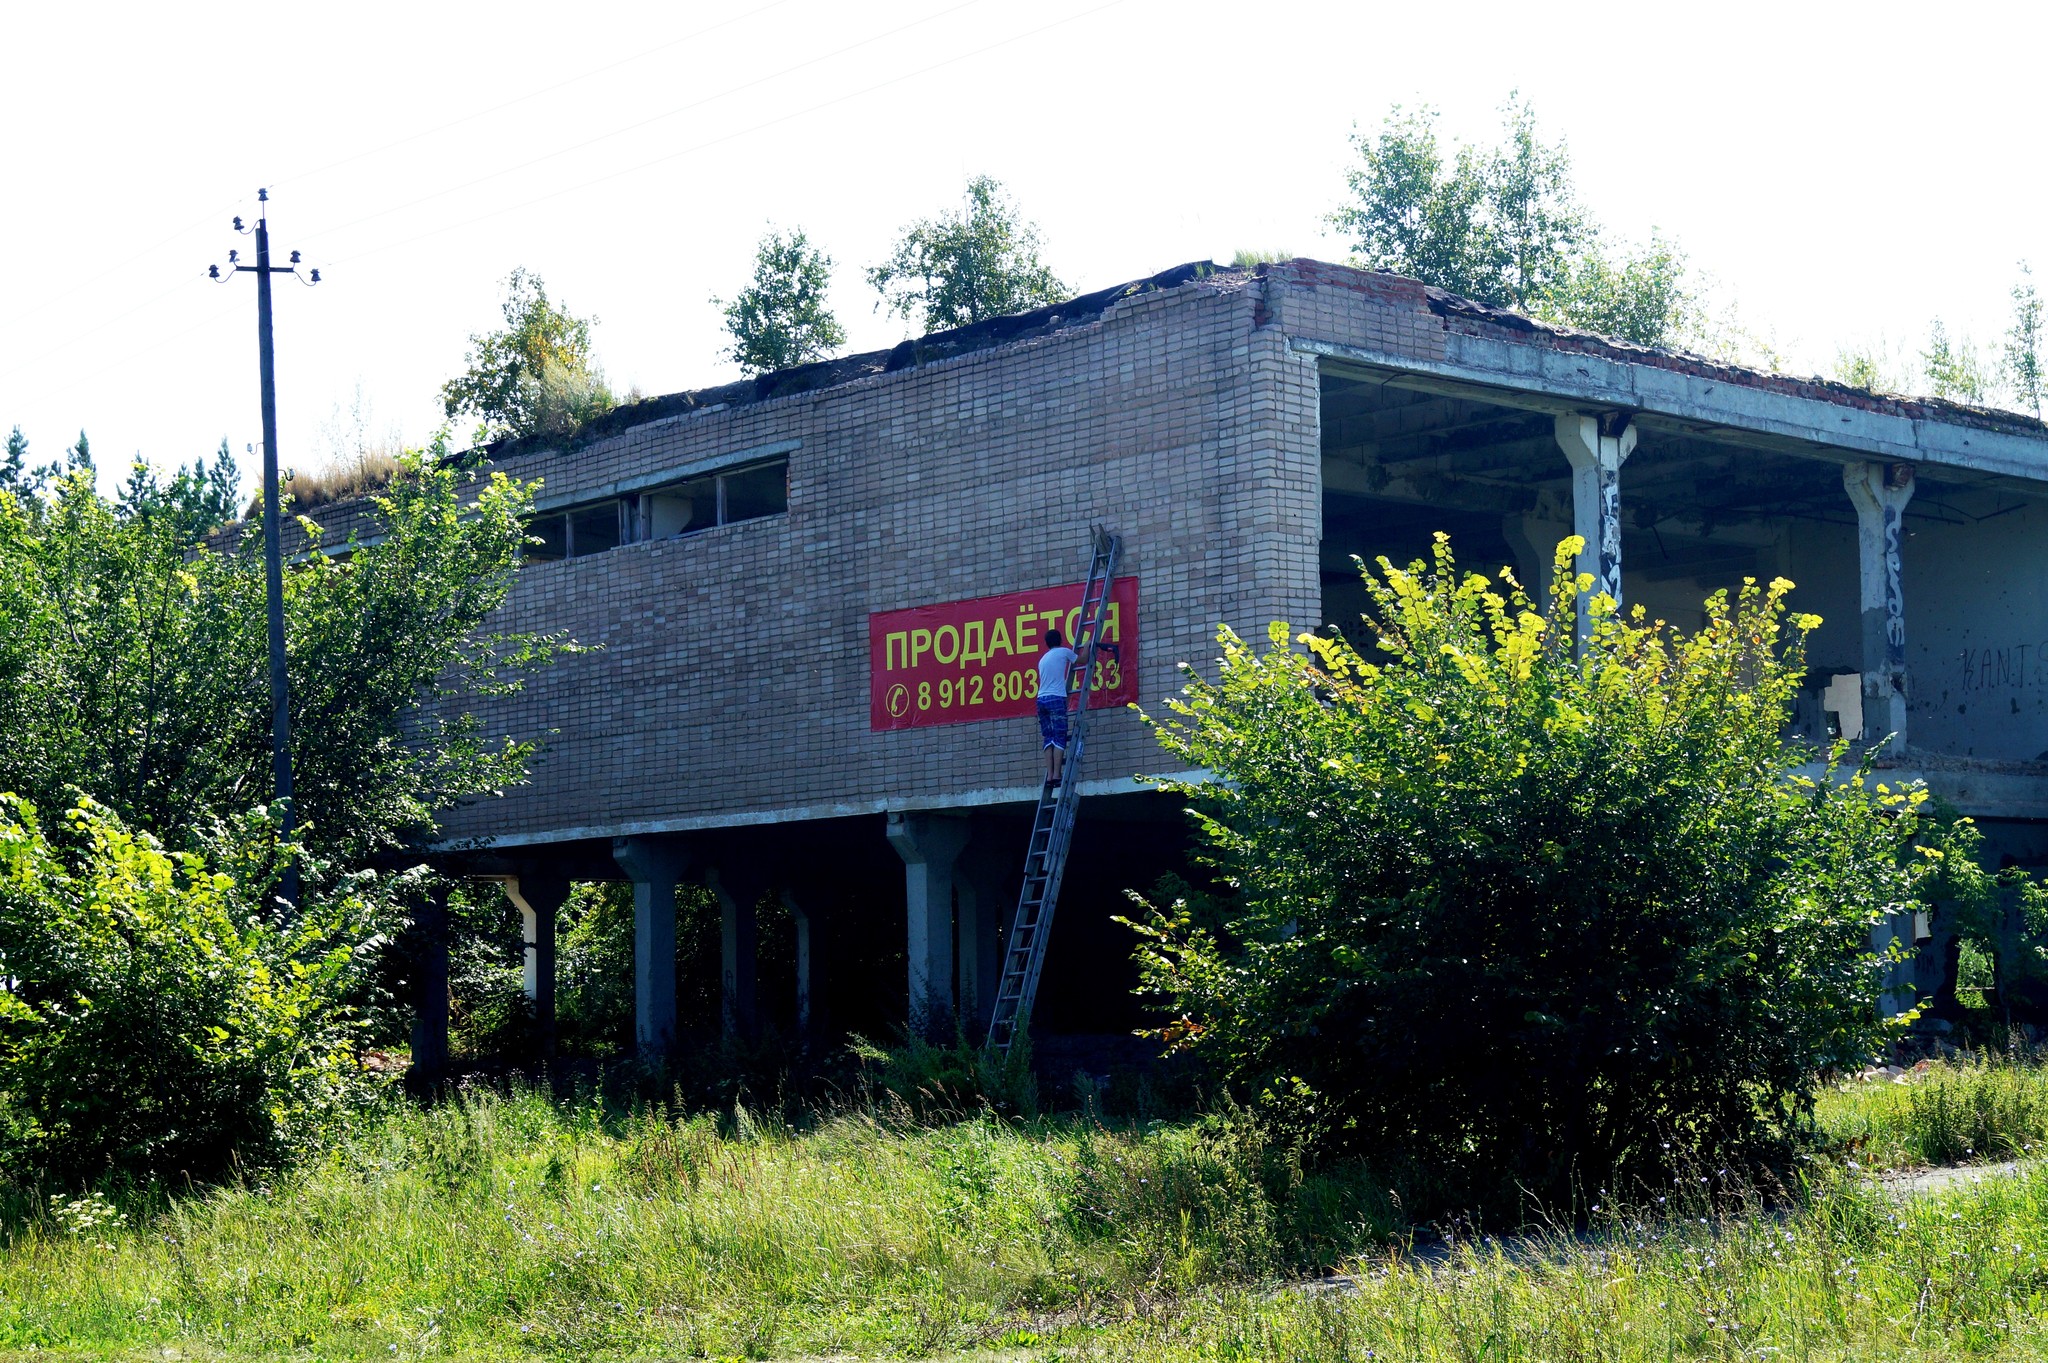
x=713 y=499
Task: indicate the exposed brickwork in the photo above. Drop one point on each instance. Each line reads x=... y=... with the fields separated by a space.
x=731 y=681
x=732 y=677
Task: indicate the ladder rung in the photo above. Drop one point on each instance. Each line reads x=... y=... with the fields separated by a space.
x=1052 y=823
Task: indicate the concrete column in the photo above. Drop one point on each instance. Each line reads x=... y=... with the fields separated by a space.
x=1879 y=493
x=929 y=844
x=1896 y=985
x=430 y=991
x=655 y=867
x=810 y=1011
x=1597 y=448
x=539 y=896
x=986 y=900
x=738 y=890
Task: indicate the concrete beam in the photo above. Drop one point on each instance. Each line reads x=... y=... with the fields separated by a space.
x=986 y=898
x=738 y=887
x=1596 y=458
x=763 y=818
x=929 y=844
x=1879 y=493
x=539 y=896
x=430 y=990
x=1541 y=378
x=810 y=1011
x=655 y=866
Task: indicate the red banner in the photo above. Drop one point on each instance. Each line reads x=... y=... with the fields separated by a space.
x=970 y=660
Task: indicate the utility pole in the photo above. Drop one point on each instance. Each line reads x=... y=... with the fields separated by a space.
x=273 y=549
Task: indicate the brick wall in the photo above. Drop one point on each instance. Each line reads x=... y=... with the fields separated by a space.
x=731 y=682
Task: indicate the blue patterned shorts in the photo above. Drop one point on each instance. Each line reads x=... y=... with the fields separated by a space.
x=1052 y=722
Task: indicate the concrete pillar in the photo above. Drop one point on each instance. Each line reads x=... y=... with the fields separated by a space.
x=1896 y=984
x=655 y=867
x=1879 y=493
x=929 y=845
x=738 y=889
x=1597 y=448
x=430 y=991
x=810 y=1010
x=987 y=899
x=539 y=896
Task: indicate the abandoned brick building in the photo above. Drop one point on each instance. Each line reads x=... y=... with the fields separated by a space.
x=763 y=718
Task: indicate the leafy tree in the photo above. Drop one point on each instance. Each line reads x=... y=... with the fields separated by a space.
x=15 y=476
x=957 y=269
x=132 y=663
x=1504 y=225
x=1952 y=368
x=534 y=377
x=782 y=319
x=156 y=1015
x=1517 y=912
x=198 y=500
x=2023 y=371
x=1869 y=366
x=1639 y=296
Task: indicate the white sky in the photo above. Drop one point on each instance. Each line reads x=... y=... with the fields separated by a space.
x=1846 y=171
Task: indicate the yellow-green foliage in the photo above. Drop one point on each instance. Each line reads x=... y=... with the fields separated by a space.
x=1520 y=910
x=159 y=1013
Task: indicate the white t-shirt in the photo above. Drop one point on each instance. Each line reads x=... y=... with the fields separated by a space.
x=1053 y=666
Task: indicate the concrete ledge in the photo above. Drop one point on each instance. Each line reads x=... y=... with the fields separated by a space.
x=1562 y=380
x=756 y=818
x=1979 y=793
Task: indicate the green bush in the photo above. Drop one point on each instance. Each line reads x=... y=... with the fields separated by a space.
x=160 y=1013
x=1503 y=906
x=933 y=1081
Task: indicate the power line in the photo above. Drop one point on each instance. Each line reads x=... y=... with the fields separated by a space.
x=435 y=131
x=86 y=281
x=642 y=123
x=213 y=215
x=716 y=141
x=185 y=231
x=47 y=351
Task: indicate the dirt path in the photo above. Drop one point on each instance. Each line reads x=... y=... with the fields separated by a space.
x=1947 y=1176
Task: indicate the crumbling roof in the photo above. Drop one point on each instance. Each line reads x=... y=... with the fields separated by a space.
x=807 y=378
x=1466 y=314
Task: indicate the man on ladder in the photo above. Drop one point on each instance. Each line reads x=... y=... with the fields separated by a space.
x=1055 y=670
x=1052 y=824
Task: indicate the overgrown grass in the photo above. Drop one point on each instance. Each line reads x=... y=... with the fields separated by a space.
x=517 y=1226
x=1953 y=1113
x=1854 y=1274
x=494 y=1224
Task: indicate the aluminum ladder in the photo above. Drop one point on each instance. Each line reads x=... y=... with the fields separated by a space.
x=1052 y=826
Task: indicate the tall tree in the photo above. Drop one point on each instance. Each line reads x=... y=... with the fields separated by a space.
x=14 y=472
x=782 y=319
x=1503 y=224
x=536 y=375
x=131 y=664
x=1951 y=366
x=2023 y=374
x=957 y=269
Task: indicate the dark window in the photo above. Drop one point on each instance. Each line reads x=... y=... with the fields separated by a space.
x=594 y=529
x=553 y=534
x=742 y=494
x=762 y=490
